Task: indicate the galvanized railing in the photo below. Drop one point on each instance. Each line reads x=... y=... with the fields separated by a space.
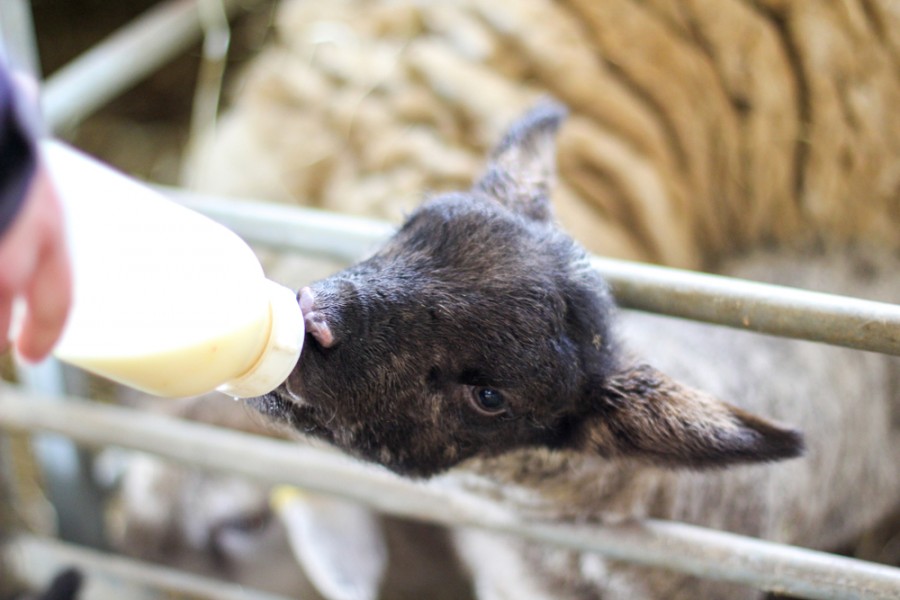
x=686 y=548
x=690 y=549
x=760 y=307
x=145 y=45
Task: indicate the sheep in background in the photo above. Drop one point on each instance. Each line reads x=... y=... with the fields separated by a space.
x=295 y=544
x=698 y=129
x=66 y=585
x=207 y=523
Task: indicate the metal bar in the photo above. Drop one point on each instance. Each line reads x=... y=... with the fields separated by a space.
x=305 y=230
x=216 y=41
x=121 y=60
x=776 y=310
x=685 y=548
x=33 y=561
x=72 y=492
x=764 y=308
x=17 y=37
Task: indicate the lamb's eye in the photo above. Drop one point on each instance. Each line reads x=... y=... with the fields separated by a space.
x=488 y=401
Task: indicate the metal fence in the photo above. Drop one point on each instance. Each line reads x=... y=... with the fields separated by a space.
x=108 y=69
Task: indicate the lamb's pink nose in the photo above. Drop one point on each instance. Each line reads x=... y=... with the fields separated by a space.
x=316 y=322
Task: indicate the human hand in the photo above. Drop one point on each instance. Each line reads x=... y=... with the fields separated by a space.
x=34 y=264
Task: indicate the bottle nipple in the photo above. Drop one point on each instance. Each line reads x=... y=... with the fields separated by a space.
x=281 y=352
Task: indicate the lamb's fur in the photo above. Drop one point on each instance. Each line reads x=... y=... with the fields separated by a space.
x=479 y=291
x=847 y=404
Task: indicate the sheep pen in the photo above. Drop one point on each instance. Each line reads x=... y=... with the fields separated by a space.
x=699 y=130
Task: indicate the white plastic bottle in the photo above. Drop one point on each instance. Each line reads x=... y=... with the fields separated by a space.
x=166 y=300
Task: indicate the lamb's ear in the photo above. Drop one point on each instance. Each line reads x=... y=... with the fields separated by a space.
x=648 y=416
x=522 y=168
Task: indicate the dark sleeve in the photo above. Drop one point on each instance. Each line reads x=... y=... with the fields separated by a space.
x=18 y=153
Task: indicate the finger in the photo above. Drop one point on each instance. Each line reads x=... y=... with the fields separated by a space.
x=18 y=260
x=5 y=320
x=20 y=248
x=49 y=297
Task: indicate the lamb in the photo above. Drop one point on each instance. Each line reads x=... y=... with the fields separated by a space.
x=211 y=524
x=478 y=344
x=226 y=527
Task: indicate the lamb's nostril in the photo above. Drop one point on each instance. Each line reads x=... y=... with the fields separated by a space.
x=316 y=322
x=317 y=326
